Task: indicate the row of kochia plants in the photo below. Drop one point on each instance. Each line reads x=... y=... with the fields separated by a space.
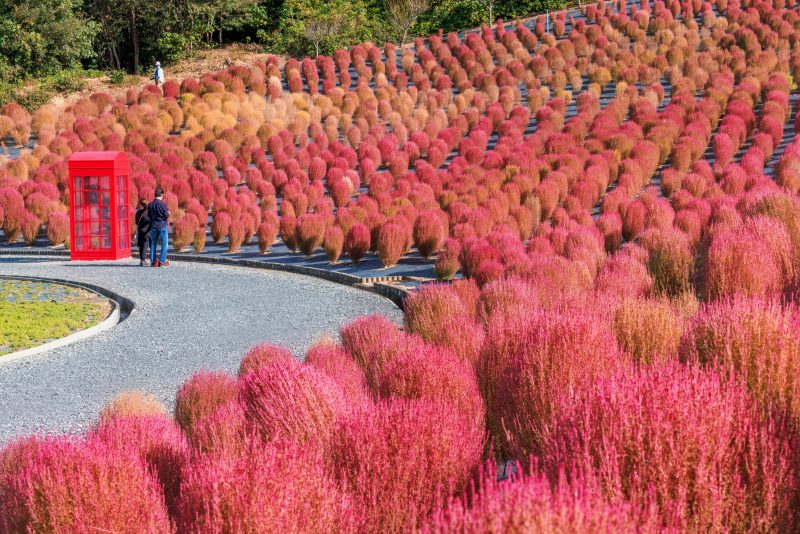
x=633 y=372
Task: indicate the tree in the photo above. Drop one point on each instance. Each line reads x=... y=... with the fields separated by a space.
x=317 y=31
x=44 y=36
x=403 y=14
x=490 y=7
x=354 y=24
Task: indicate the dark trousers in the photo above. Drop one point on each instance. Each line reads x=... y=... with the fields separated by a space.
x=143 y=241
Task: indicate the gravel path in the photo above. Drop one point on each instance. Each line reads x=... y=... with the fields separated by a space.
x=187 y=317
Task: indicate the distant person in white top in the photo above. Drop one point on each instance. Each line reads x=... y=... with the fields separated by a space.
x=158 y=74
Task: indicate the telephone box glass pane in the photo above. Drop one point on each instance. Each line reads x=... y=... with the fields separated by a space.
x=104 y=183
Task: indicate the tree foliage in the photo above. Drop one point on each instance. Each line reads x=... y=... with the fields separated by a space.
x=39 y=37
x=44 y=37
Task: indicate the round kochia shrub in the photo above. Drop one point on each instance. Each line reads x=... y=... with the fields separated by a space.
x=391 y=243
x=401 y=459
x=744 y=261
x=754 y=339
x=267 y=233
x=275 y=487
x=261 y=355
x=438 y=314
x=357 y=242
x=341 y=368
x=66 y=485
x=372 y=340
x=201 y=395
x=333 y=242
x=285 y=399
x=529 y=358
x=157 y=440
x=57 y=228
x=310 y=232
x=429 y=233
x=689 y=442
x=424 y=371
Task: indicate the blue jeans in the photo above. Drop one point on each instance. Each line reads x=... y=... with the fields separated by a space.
x=158 y=235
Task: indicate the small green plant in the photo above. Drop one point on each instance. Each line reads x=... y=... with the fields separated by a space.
x=117 y=77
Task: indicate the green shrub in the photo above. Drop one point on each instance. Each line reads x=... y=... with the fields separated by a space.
x=116 y=77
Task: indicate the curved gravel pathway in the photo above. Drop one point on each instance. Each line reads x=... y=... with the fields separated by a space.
x=187 y=317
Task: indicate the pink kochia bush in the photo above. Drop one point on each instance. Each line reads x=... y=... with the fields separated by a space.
x=424 y=371
x=202 y=395
x=72 y=485
x=341 y=368
x=287 y=400
x=530 y=357
x=754 y=339
x=400 y=459
x=372 y=341
x=357 y=242
x=528 y=503
x=157 y=440
x=685 y=440
x=275 y=487
x=755 y=258
x=438 y=313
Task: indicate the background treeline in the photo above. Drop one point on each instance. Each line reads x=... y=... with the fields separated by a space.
x=41 y=38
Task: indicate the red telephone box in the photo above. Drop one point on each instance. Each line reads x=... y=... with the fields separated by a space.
x=99 y=206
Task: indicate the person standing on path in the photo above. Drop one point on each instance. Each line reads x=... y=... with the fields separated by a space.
x=158 y=75
x=142 y=220
x=159 y=228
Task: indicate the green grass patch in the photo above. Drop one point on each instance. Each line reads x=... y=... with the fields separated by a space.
x=33 y=313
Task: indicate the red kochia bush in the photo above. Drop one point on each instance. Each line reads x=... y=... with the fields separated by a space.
x=262 y=355
x=741 y=261
x=57 y=227
x=424 y=371
x=401 y=459
x=269 y=488
x=341 y=368
x=267 y=233
x=157 y=440
x=527 y=502
x=753 y=338
x=65 y=485
x=357 y=242
x=289 y=400
x=333 y=242
x=429 y=233
x=372 y=340
x=310 y=232
x=532 y=356
x=201 y=395
x=30 y=227
x=391 y=243
x=694 y=443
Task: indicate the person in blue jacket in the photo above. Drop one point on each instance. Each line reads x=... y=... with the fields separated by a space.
x=159 y=229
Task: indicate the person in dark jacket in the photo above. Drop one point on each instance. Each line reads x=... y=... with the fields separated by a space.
x=142 y=230
x=159 y=228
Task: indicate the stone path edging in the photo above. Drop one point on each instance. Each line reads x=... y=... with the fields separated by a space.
x=394 y=293
x=120 y=308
